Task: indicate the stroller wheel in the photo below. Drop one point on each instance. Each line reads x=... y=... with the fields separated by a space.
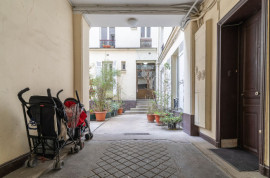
x=26 y=163
x=71 y=150
x=87 y=136
x=30 y=163
x=58 y=165
x=81 y=144
x=76 y=149
x=91 y=135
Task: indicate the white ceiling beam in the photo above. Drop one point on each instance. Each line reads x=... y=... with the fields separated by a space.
x=176 y=9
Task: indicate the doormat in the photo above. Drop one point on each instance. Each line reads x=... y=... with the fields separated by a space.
x=240 y=159
x=136 y=134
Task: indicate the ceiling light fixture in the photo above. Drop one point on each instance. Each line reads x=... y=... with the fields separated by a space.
x=132 y=22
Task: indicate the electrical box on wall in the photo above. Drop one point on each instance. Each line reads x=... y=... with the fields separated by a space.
x=203 y=67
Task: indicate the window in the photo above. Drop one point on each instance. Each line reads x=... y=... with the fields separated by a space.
x=145 y=32
x=107 y=37
x=123 y=65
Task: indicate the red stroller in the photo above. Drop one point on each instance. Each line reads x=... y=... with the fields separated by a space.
x=77 y=124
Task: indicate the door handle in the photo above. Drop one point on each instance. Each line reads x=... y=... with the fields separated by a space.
x=257 y=93
x=242 y=94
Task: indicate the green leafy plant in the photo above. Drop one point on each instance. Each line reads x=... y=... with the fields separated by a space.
x=114 y=105
x=171 y=119
x=102 y=84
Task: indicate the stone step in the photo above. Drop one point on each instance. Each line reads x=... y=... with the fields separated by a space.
x=142 y=106
x=143 y=103
x=138 y=109
x=135 y=112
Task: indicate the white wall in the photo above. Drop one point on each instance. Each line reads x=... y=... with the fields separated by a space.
x=94 y=37
x=36 y=51
x=125 y=37
x=128 y=77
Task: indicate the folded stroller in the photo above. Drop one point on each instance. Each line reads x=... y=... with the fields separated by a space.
x=77 y=123
x=44 y=118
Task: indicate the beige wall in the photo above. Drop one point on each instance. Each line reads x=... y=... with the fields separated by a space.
x=36 y=51
x=216 y=13
x=189 y=62
x=81 y=58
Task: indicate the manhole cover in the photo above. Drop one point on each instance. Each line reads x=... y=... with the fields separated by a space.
x=136 y=134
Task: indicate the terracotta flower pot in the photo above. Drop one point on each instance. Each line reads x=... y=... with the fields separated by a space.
x=100 y=116
x=150 y=117
x=157 y=117
x=120 y=111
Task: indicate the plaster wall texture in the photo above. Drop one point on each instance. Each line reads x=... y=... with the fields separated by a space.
x=36 y=51
x=130 y=56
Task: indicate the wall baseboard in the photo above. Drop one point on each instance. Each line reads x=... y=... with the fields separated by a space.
x=210 y=140
x=13 y=164
x=188 y=125
x=264 y=170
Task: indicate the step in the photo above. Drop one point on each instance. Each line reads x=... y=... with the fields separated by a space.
x=142 y=106
x=138 y=109
x=135 y=112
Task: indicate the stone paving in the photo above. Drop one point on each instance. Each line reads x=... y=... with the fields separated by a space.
x=136 y=159
x=128 y=146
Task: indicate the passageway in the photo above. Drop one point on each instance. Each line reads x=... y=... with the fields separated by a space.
x=129 y=146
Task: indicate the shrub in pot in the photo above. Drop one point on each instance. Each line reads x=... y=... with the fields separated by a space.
x=102 y=84
x=171 y=121
x=114 y=107
x=92 y=115
x=150 y=114
x=120 y=109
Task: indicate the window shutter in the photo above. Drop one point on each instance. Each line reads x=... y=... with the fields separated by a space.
x=99 y=67
x=148 y=32
x=103 y=33
x=142 y=32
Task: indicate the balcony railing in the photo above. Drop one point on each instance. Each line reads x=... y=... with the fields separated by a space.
x=107 y=43
x=146 y=42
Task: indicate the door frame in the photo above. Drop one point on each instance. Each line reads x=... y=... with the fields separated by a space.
x=264 y=15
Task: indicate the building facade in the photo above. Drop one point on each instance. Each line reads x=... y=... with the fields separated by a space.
x=132 y=51
x=219 y=76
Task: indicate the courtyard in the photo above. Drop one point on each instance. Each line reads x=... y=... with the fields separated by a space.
x=130 y=146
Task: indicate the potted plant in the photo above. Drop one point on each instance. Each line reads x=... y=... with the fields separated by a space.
x=119 y=100
x=114 y=107
x=92 y=115
x=150 y=114
x=108 y=109
x=120 y=109
x=102 y=84
x=171 y=121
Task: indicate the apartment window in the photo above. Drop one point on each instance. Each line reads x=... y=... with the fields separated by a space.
x=145 y=32
x=107 y=37
x=123 y=65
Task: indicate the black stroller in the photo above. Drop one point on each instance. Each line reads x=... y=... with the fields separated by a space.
x=77 y=123
x=45 y=127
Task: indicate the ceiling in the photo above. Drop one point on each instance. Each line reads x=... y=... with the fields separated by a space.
x=154 y=13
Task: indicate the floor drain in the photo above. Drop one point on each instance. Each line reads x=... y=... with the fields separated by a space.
x=136 y=134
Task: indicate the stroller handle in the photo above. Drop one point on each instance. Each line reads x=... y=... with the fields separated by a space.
x=78 y=98
x=21 y=93
x=57 y=95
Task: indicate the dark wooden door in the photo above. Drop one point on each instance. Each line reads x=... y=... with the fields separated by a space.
x=250 y=84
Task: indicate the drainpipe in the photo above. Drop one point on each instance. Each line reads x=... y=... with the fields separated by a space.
x=183 y=22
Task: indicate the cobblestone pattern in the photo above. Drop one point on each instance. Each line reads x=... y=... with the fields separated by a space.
x=135 y=159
